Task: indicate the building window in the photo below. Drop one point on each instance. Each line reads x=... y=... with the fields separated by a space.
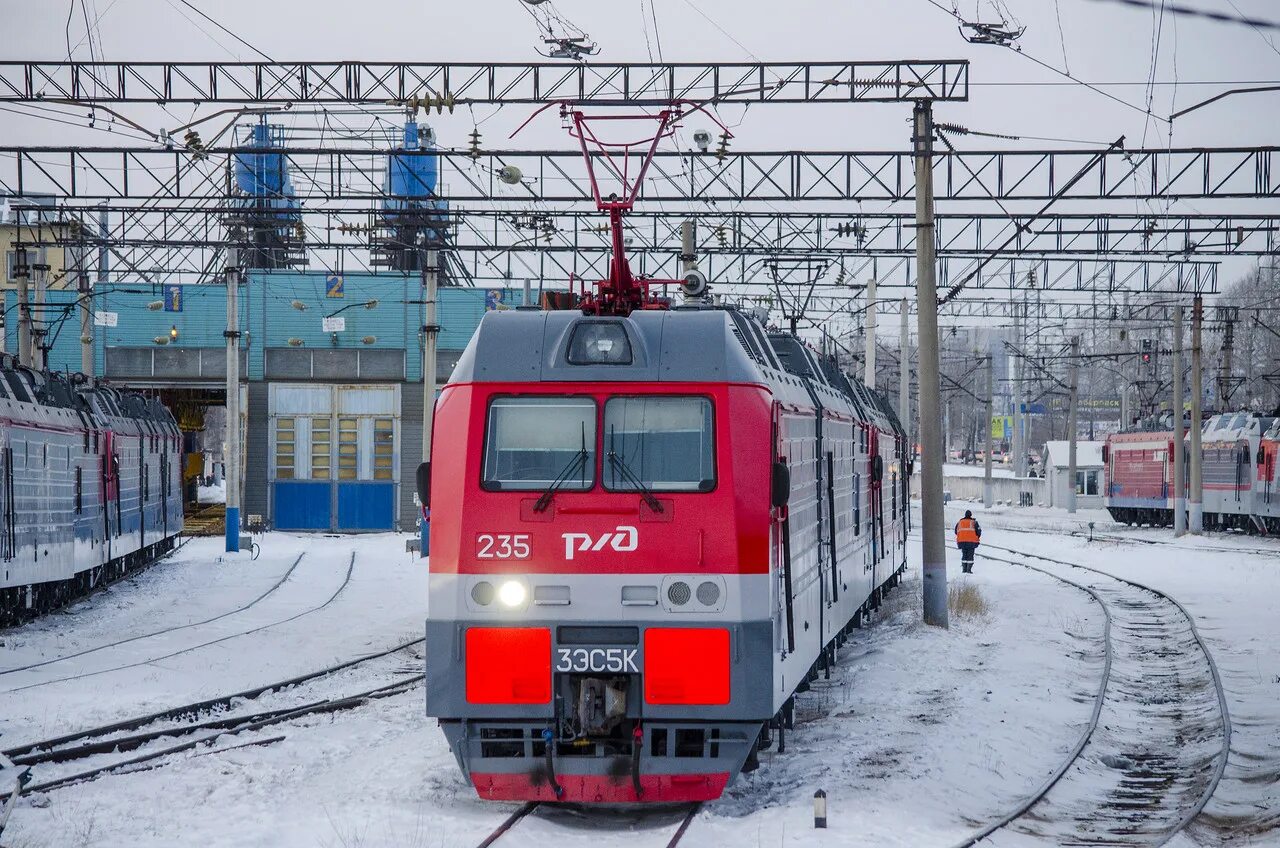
x=383 y=448
x=11 y=265
x=348 y=448
x=285 y=443
x=321 y=448
x=1086 y=482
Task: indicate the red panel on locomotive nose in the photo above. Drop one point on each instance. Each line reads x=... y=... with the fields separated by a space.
x=685 y=665
x=508 y=665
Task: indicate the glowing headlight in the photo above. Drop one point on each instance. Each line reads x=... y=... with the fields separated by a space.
x=512 y=594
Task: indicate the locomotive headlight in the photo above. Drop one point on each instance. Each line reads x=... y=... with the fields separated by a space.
x=512 y=594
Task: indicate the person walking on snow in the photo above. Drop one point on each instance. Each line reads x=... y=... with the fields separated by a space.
x=968 y=535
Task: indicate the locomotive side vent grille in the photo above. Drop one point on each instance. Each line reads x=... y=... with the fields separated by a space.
x=679 y=593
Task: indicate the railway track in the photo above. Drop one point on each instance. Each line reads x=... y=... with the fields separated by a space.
x=161 y=632
x=1157 y=741
x=503 y=832
x=1120 y=537
x=154 y=659
x=104 y=740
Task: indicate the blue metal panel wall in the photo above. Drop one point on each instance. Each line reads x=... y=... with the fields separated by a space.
x=274 y=291
x=64 y=334
x=200 y=323
x=266 y=315
x=366 y=506
x=301 y=505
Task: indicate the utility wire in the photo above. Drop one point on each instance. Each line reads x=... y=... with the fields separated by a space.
x=1188 y=11
x=224 y=29
x=956 y=14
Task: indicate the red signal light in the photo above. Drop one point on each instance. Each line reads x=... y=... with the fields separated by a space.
x=508 y=665
x=685 y=665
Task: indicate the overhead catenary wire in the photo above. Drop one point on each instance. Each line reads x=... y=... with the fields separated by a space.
x=1018 y=50
x=1206 y=14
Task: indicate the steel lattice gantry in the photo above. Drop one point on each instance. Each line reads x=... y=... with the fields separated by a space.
x=176 y=175
x=339 y=226
x=597 y=83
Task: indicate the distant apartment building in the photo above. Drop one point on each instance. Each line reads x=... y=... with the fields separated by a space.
x=30 y=230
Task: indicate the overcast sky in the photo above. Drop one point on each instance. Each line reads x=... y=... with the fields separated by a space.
x=1103 y=42
x=1098 y=40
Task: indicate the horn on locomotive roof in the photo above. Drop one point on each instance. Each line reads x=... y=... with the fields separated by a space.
x=623 y=292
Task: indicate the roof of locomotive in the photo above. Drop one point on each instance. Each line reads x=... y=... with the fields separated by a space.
x=700 y=344
x=684 y=345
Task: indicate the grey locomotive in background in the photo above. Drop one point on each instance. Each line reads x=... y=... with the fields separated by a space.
x=90 y=486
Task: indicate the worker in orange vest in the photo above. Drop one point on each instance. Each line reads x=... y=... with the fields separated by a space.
x=968 y=535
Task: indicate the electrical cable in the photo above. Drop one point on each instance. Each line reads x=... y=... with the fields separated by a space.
x=224 y=29
x=1188 y=11
x=955 y=14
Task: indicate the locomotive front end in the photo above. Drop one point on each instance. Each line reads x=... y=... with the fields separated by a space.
x=599 y=624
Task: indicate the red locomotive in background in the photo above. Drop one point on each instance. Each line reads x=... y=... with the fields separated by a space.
x=651 y=528
x=1240 y=453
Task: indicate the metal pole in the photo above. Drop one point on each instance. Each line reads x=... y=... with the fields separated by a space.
x=1018 y=451
x=932 y=529
x=430 y=331
x=86 y=318
x=904 y=393
x=232 y=334
x=689 y=245
x=1071 y=424
x=38 y=352
x=904 y=376
x=870 y=376
x=1196 y=513
x=24 y=310
x=988 y=488
x=1179 y=431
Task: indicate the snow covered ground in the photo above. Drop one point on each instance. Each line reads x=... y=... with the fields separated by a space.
x=919 y=738
x=959 y=469
x=214 y=494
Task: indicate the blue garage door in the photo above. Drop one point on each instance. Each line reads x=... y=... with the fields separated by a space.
x=302 y=505
x=366 y=506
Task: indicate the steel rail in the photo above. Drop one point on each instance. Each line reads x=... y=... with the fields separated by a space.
x=206 y=706
x=346 y=580
x=1220 y=692
x=512 y=820
x=327 y=706
x=174 y=629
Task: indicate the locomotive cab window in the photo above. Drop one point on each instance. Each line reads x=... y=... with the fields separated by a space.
x=534 y=442
x=663 y=444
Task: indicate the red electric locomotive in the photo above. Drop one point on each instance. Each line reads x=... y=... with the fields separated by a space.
x=648 y=532
x=651 y=527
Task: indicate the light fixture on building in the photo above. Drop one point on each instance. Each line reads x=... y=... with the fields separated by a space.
x=161 y=340
x=371 y=304
x=369 y=340
x=86 y=340
x=156 y=305
x=298 y=305
x=173 y=333
x=294 y=341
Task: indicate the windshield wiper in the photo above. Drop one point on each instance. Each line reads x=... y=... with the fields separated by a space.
x=579 y=460
x=620 y=467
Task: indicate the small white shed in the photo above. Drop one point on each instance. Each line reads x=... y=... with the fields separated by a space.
x=1089 y=482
